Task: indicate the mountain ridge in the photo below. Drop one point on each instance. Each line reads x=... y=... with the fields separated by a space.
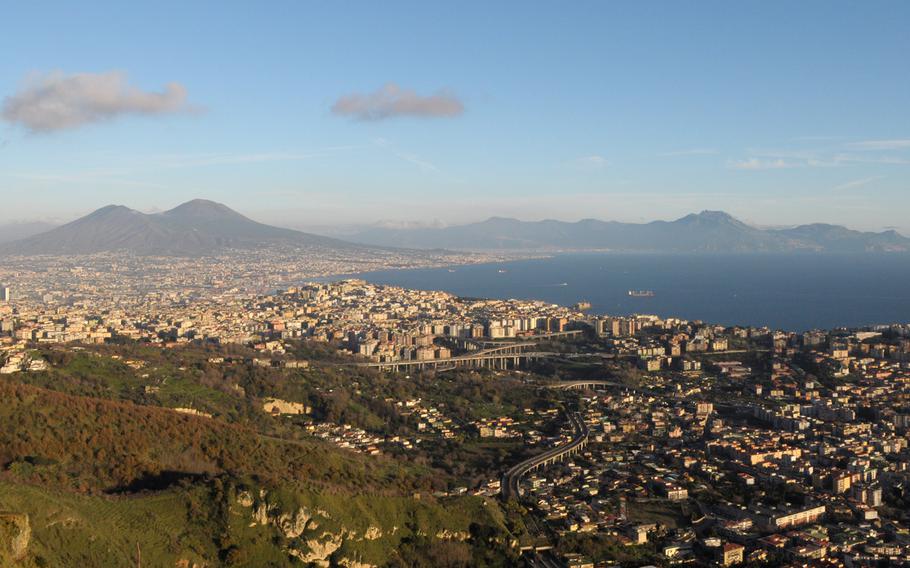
x=196 y=227
x=200 y=226
x=707 y=231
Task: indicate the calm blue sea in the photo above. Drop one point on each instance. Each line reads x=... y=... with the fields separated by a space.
x=794 y=292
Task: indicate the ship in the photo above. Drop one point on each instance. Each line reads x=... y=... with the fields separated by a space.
x=582 y=306
x=641 y=293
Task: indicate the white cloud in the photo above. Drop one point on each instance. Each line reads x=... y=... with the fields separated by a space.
x=593 y=161
x=201 y=160
x=128 y=168
x=758 y=164
x=57 y=101
x=409 y=157
x=391 y=101
x=417 y=161
x=856 y=183
x=93 y=178
x=846 y=154
x=881 y=144
x=818 y=138
x=690 y=152
x=865 y=159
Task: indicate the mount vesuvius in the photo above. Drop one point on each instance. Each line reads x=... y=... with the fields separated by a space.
x=197 y=227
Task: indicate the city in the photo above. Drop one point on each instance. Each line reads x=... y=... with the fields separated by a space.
x=405 y=284
x=701 y=443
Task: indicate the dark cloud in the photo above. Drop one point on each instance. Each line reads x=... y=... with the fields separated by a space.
x=391 y=101
x=57 y=101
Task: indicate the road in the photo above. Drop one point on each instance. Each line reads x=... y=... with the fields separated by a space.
x=509 y=485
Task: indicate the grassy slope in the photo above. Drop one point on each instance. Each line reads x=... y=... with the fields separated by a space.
x=71 y=436
x=76 y=530
x=61 y=453
x=187 y=523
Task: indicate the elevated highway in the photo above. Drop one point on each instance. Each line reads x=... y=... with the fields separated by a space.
x=492 y=354
x=599 y=384
x=511 y=479
x=499 y=357
x=582 y=384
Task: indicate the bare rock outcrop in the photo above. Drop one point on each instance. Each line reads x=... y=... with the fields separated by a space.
x=17 y=533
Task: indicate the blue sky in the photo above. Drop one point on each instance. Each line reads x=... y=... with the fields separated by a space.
x=778 y=112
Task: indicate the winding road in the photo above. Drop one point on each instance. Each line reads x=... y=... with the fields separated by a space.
x=511 y=479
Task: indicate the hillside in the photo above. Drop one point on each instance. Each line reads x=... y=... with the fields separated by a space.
x=227 y=522
x=708 y=231
x=45 y=436
x=92 y=479
x=95 y=466
x=193 y=228
x=836 y=238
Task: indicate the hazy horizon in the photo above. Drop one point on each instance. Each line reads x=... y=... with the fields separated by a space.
x=281 y=219
x=778 y=113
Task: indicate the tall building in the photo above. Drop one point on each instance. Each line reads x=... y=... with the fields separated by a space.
x=5 y=294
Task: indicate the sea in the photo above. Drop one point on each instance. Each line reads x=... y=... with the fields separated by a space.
x=793 y=292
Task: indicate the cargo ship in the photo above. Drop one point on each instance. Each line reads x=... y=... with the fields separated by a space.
x=641 y=293
x=582 y=306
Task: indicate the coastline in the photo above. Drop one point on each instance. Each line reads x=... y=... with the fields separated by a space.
x=785 y=292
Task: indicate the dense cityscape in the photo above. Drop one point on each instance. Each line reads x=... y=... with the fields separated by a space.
x=696 y=443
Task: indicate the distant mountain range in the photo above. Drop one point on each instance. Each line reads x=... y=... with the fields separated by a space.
x=195 y=228
x=708 y=231
x=202 y=227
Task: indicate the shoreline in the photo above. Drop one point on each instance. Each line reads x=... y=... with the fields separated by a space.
x=780 y=292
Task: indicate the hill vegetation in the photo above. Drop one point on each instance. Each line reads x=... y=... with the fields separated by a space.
x=94 y=445
x=97 y=467
x=228 y=523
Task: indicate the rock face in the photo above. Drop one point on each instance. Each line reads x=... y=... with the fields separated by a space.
x=373 y=533
x=315 y=538
x=245 y=499
x=446 y=534
x=17 y=532
x=293 y=525
x=320 y=549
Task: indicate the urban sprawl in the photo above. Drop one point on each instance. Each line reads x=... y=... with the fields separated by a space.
x=715 y=444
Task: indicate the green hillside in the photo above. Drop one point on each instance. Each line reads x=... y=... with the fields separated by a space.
x=91 y=474
x=211 y=525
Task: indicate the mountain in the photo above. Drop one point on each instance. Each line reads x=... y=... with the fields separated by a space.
x=834 y=237
x=708 y=231
x=201 y=227
x=193 y=228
